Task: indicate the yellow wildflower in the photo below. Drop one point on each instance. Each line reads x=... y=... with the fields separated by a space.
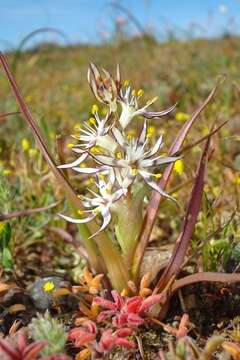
x=181 y=116
x=237 y=180
x=25 y=144
x=48 y=286
x=179 y=167
x=7 y=172
x=2 y=226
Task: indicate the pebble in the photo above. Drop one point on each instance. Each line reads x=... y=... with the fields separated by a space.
x=41 y=291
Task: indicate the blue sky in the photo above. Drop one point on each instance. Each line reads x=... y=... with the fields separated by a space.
x=93 y=20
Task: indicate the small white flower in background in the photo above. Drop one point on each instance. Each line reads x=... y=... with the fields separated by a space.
x=121 y=160
x=102 y=203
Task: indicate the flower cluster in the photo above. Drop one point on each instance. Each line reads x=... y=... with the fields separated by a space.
x=119 y=161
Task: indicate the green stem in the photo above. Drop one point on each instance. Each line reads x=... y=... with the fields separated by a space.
x=117 y=271
x=95 y=261
x=109 y=260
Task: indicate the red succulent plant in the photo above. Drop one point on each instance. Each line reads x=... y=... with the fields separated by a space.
x=87 y=336
x=124 y=311
x=22 y=351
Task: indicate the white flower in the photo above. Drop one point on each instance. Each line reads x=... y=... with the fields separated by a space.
x=102 y=203
x=136 y=160
x=90 y=136
x=130 y=107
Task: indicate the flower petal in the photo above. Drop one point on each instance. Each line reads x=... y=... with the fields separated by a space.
x=106 y=220
x=74 y=163
x=85 y=170
x=77 y=221
x=118 y=136
x=157 y=114
x=142 y=136
x=155 y=186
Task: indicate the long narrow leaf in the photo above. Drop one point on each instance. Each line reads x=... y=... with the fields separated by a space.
x=152 y=209
x=189 y=222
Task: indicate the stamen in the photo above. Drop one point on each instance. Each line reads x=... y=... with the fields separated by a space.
x=92 y=121
x=151 y=101
x=94 y=109
x=134 y=171
x=102 y=176
x=119 y=155
x=140 y=92
x=134 y=93
x=95 y=150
